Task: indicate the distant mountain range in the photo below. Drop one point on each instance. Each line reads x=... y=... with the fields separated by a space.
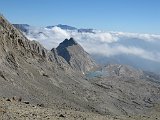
x=138 y=50
x=24 y=27
x=65 y=27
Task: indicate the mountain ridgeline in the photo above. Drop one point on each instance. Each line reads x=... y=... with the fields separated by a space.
x=67 y=78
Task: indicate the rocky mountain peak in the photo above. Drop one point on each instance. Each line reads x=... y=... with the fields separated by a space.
x=68 y=42
x=75 y=55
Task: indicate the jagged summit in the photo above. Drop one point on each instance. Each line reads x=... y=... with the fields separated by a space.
x=75 y=55
x=68 y=42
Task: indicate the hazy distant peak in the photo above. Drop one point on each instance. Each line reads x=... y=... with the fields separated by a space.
x=65 y=27
x=22 y=27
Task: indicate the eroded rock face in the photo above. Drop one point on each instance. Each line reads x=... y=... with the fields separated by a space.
x=13 y=39
x=75 y=55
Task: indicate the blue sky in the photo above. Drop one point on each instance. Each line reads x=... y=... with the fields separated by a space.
x=142 y=16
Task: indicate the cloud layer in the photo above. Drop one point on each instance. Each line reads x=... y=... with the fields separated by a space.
x=102 y=43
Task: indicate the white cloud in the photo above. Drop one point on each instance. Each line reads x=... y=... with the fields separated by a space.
x=106 y=50
x=154 y=56
x=145 y=37
x=59 y=33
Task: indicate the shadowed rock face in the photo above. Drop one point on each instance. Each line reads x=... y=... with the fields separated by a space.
x=75 y=55
x=62 y=48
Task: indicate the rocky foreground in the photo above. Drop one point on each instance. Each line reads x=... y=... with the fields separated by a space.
x=11 y=109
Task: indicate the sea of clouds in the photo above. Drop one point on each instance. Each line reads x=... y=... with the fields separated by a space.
x=103 y=43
